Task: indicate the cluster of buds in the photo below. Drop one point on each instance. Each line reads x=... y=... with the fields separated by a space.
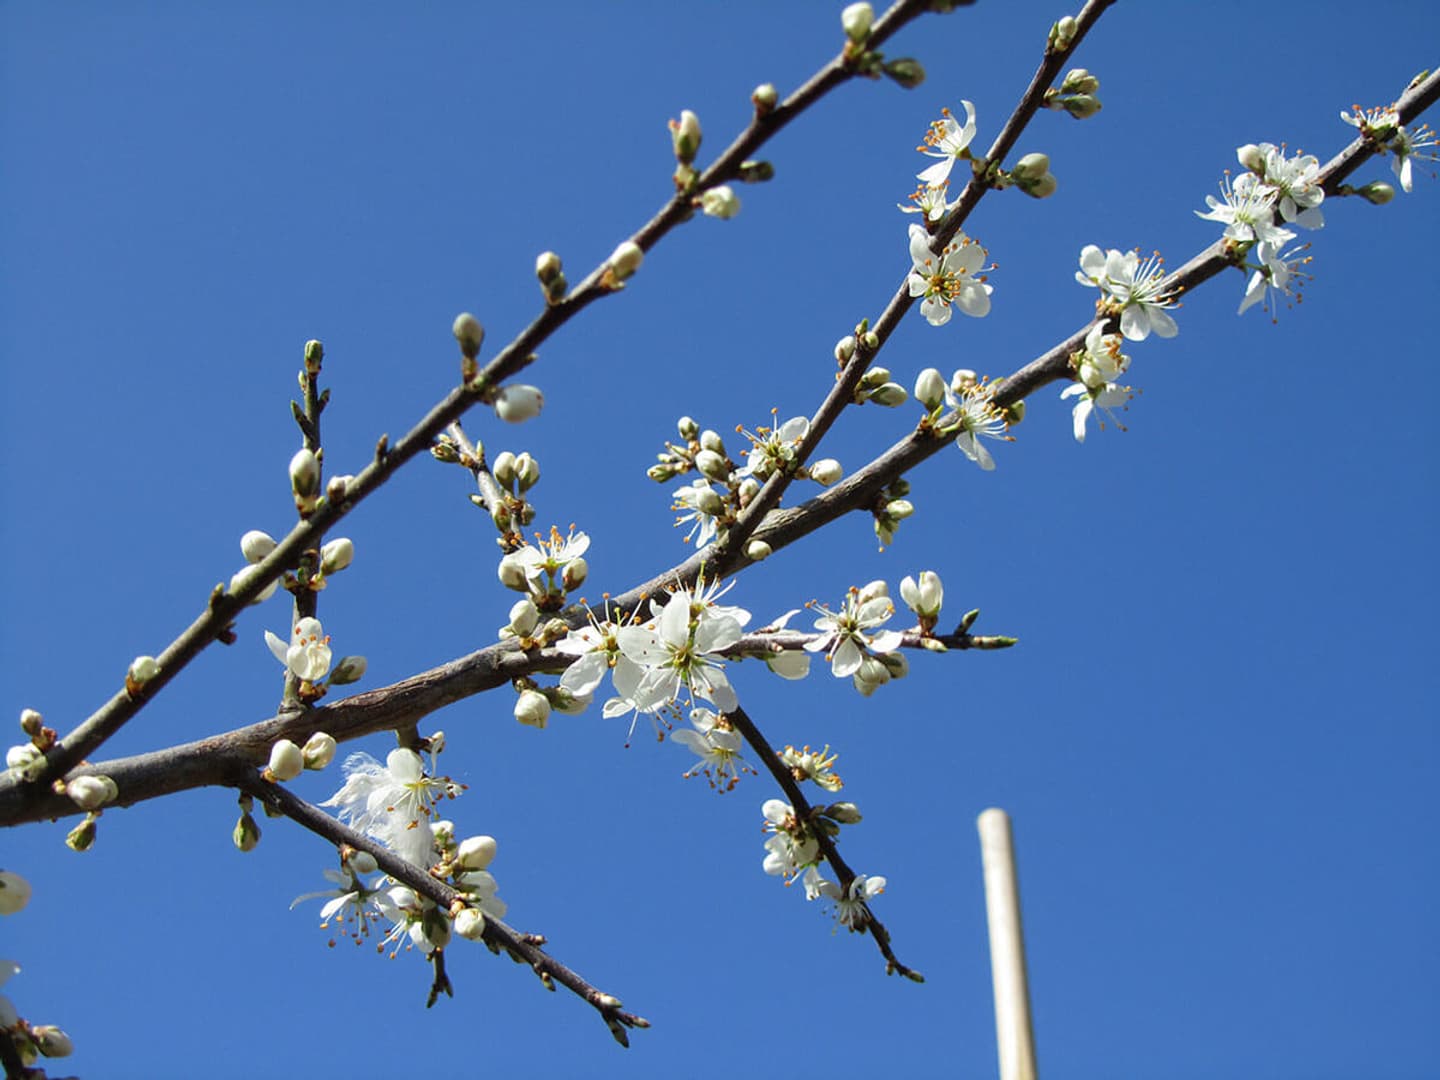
x=1075 y=95
x=515 y=474
x=685 y=138
x=288 y=760
x=891 y=508
x=1032 y=175
x=1062 y=34
x=26 y=761
x=548 y=569
x=877 y=388
x=551 y=275
x=1381 y=127
x=856 y=21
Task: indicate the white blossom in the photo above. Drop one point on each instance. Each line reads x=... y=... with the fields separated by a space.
x=1280 y=272
x=1247 y=212
x=392 y=802
x=949 y=141
x=977 y=418
x=948 y=278
x=845 y=636
x=717 y=745
x=308 y=653
x=679 y=652
x=849 y=904
x=1137 y=287
x=929 y=200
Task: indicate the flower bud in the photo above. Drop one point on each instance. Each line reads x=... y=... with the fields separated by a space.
x=532 y=708
x=1081 y=106
x=1031 y=166
x=470 y=923
x=82 y=837
x=846 y=813
x=899 y=509
x=314 y=354
x=896 y=664
x=14 y=892
x=749 y=488
x=547 y=267
x=337 y=489
x=925 y=596
x=25 y=762
x=930 y=389
x=524 y=617
x=962 y=381
x=685 y=137
x=142 y=670
x=757 y=550
x=720 y=202
x=1377 y=193
x=1080 y=81
x=710 y=440
x=362 y=862
x=756 y=172
x=91 y=792
x=1042 y=187
x=469 y=333
x=305 y=474
x=527 y=472
x=31 y=722
x=1252 y=157
x=517 y=403
x=1062 y=34
x=764 y=97
x=476 y=852
x=826 y=471
x=877 y=376
x=845 y=349
x=712 y=466
x=574 y=573
x=286 y=761
x=907 y=72
x=890 y=395
x=625 y=260
x=503 y=469
x=1014 y=412
x=319 y=749
x=255 y=545
x=856 y=21
x=662 y=474
x=512 y=574
x=687 y=428
x=336 y=555
x=350 y=669
x=51 y=1041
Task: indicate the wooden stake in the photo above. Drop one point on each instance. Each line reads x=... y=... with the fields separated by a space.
x=1014 y=1036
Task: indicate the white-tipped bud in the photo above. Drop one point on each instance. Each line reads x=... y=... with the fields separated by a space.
x=336 y=555
x=890 y=395
x=712 y=466
x=1252 y=157
x=547 y=267
x=512 y=573
x=845 y=349
x=503 y=468
x=923 y=596
x=240 y=578
x=319 y=750
x=305 y=473
x=14 y=892
x=350 y=669
x=287 y=761
x=710 y=440
x=1042 y=187
x=524 y=617
x=625 y=260
x=687 y=428
x=720 y=202
x=532 y=708
x=469 y=333
x=337 y=488
x=708 y=501
x=91 y=792
x=255 y=545
x=574 y=573
x=756 y=550
x=749 y=488
x=31 y=722
x=1062 y=34
x=826 y=471
x=142 y=669
x=362 y=862
x=25 y=762
x=930 y=389
x=527 y=472
x=1082 y=106
x=846 y=813
x=899 y=509
x=470 y=923
x=476 y=852
x=1031 y=166
x=962 y=381
x=517 y=403
x=685 y=136
x=856 y=21
x=764 y=97
x=51 y=1041
x=1080 y=81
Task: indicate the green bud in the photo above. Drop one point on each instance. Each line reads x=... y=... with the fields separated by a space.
x=1081 y=106
x=756 y=172
x=846 y=813
x=890 y=395
x=527 y=472
x=906 y=71
x=1062 y=34
x=1031 y=166
x=1079 y=81
x=469 y=333
x=82 y=837
x=685 y=137
x=547 y=267
x=687 y=428
x=314 y=353
x=1377 y=193
x=446 y=451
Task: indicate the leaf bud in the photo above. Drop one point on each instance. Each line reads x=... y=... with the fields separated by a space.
x=756 y=550
x=518 y=402
x=720 y=202
x=826 y=471
x=337 y=554
x=930 y=389
x=907 y=72
x=469 y=333
x=756 y=172
x=1377 y=193
x=764 y=97
x=82 y=837
x=286 y=761
x=856 y=21
x=527 y=471
x=314 y=354
x=255 y=545
x=687 y=428
x=685 y=137
x=532 y=708
x=319 y=750
x=712 y=466
x=1014 y=412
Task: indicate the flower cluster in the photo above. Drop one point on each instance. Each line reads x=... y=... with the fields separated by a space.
x=547 y=569
x=1130 y=287
x=1382 y=126
x=1096 y=370
x=393 y=802
x=852 y=643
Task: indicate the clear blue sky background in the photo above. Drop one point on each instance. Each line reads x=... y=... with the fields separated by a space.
x=1216 y=736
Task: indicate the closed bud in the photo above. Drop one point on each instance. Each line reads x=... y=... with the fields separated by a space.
x=575 y=573
x=1062 y=34
x=26 y=761
x=1042 y=187
x=710 y=440
x=503 y=469
x=1080 y=81
x=1031 y=166
x=756 y=550
x=1377 y=193
x=720 y=202
x=563 y=701
x=362 y=862
x=845 y=349
x=871 y=341
x=625 y=260
x=1252 y=157
x=532 y=708
x=350 y=669
x=709 y=502
x=923 y=596
x=305 y=474
x=338 y=488
x=51 y=1041
x=846 y=813
x=748 y=489
x=527 y=471
x=336 y=555
x=826 y=471
x=906 y=71
x=930 y=389
x=82 y=837
x=899 y=509
x=524 y=617
x=764 y=98
x=756 y=172
x=319 y=750
x=31 y=722
x=687 y=428
x=856 y=21
x=286 y=761
x=890 y=395
x=517 y=403
x=1082 y=106
x=255 y=545
x=91 y=792
x=476 y=852
x=1014 y=412
x=896 y=664
x=469 y=333
x=685 y=137
x=877 y=376
x=962 y=380
x=547 y=267
x=662 y=474
x=142 y=670
x=470 y=923
x=314 y=354
x=712 y=466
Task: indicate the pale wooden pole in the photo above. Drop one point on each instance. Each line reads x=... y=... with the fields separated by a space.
x=1014 y=1036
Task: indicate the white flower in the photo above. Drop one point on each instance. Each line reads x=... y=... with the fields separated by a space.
x=929 y=199
x=947 y=278
x=1137 y=287
x=1279 y=273
x=845 y=636
x=1246 y=212
x=718 y=747
x=924 y=597
x=678 y=652
x=1406 y=145
x=1297 y=184
x=1108 y=397
x=350 y=900
x=720 y=202
x=480 y=887
x=391 y=802
x=792 y=848
x=543 y=567
x=977 y=418
x=14 y=895
x=949 y=141
x=1098 y=367
x=773 y=449
x=704 y=507
x=850 y=911
x=308 y=654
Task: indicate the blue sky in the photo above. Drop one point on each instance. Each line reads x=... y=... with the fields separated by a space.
x=1215 y=737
